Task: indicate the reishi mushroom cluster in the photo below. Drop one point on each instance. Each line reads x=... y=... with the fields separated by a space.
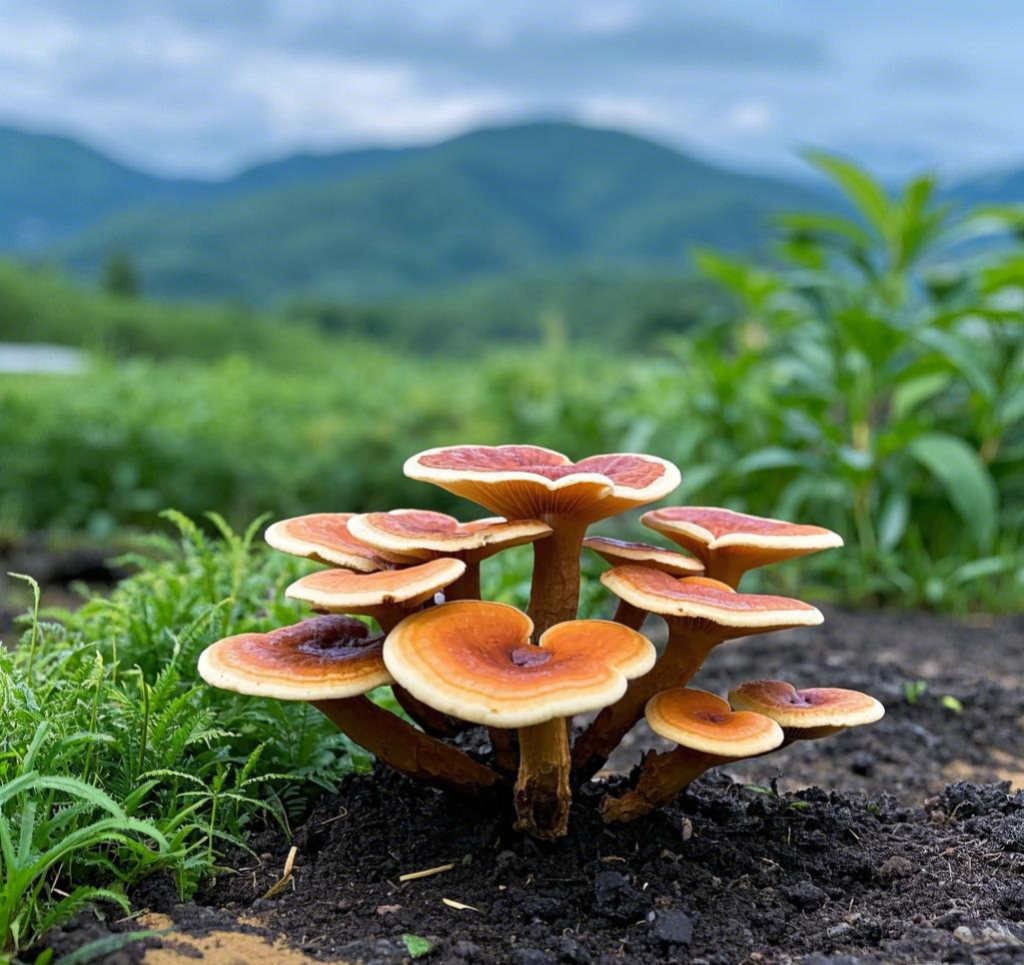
x=456 y=662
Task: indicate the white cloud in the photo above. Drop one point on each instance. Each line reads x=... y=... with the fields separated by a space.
x=748 y=117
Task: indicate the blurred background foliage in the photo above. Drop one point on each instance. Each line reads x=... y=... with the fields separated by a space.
x=867 y=376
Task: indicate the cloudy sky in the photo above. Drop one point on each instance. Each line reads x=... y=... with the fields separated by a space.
x=206 y=86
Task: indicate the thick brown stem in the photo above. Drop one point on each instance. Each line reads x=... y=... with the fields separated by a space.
x=409 y=751
x=542 y=790
x=662 y=777
x=555 y=592
x=432 y=721
x=466 y=587
x=725 y=568
x=629 y=615
x=503 y=746
x=684 y=654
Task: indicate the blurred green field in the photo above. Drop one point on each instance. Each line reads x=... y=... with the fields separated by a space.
x=872 y=381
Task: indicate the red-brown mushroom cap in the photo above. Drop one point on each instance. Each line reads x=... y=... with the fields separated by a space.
x=473 y=660
x=325 y=658
x=340 y=591
x=427 y=535
x=698 y=598
x=325 y=538
x=706 y=723
x=759 y=540
x=529 y=482
x=811 y=708
x=619 y=552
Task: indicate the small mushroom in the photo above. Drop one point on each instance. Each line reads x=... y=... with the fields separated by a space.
x=405 y=534
x=701 y=613
x=707 y=733
x=619 y=552
x=730 y=543
x=806 y=714
x=332 y=662
x=474 y=661
x=388 y=596
x=528 y=482
x=325 y=538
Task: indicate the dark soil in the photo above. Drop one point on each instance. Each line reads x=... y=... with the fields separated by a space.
x=901 y=861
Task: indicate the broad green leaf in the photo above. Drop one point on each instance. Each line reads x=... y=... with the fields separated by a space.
x=968 y=484
x=867 y=194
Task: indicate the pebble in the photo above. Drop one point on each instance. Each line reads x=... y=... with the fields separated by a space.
x=805 y=895
x=671 y=927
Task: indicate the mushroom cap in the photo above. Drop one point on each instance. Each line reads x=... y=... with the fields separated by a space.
x=340 y=591
x=812 y=708
x=698 y=598
x=618 y=551
x=759 y=539
x=474 y=660
x=427 y=535
x=706 y=723
x=529 y=482
x=325 y=658
x=325 y=537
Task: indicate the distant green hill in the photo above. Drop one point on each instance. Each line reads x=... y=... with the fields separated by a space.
x=53 y=186
x=997 y=187
x=525 y=198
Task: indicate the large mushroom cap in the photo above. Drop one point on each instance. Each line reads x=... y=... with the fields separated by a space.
x=325 y=658
x=428 y=535
x=339 y=591
x=757 y=540
x=698 y=598
x=474 y=660
x=806 y=709
x=325 y=537
x=618 y=552
x=528 y=482
x=706 y=723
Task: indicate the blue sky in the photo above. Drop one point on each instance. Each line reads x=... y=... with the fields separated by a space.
x=206 y=86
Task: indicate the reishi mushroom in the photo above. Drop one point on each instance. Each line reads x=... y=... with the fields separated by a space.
x=707 y=732
x=422 y=535
x=730 y=543
x=619 y=552
x=529 y=482
x=701 y=613
x=332 y=662
x=388 y=596
x=474 y=660
x=806 y=714
x=325 y=538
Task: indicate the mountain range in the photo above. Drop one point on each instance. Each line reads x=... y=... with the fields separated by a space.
x=393 y=221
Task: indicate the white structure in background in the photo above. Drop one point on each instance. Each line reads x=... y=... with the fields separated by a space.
x=18 y=357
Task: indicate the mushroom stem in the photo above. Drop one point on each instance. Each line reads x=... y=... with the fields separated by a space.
x=555 y=591
x=629 y=615
x=542 y=790
x=503 y=748
x=662 y=777
x=432 y=721
x=725 y=568
x=405 y=749
x=467 y=586
x=685 y=653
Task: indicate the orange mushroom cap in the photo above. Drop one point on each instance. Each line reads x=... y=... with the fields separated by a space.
x=325 y=537
x=757 y=539
x=340 y=591
x=699 y=598
x=618 y=551
x=529 y=482
x=811 y=708
x=427 y=535
x=474 y=660
x=706 y=723
x=325 y=658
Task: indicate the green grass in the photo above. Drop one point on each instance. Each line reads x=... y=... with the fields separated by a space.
x=115 y=760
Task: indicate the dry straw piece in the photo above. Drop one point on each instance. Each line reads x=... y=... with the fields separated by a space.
x=455 y=662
